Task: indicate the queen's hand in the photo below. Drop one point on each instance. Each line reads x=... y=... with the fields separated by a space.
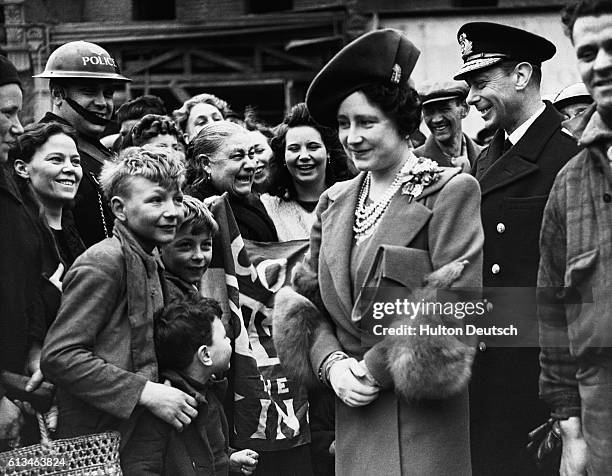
x=350 y=382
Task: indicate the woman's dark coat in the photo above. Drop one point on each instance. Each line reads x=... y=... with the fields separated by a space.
x=20 y=276
x=251 y=216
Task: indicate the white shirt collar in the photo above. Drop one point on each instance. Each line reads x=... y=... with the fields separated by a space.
x=520 y=130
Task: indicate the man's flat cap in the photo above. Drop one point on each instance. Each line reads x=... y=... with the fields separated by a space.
x=443 y=91
x=484 y=44
x=380 y=57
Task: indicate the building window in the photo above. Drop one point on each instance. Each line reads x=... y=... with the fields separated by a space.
x=475 y=3
x=268 y=6
x=154 y=10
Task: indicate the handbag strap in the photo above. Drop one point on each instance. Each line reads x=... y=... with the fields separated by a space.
x=45 y=438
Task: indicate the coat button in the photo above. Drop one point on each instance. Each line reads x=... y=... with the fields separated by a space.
x=495 y=269
x=607 y=197
x=501 y=228
x=482 y=346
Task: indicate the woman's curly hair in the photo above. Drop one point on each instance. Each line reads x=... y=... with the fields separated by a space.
x=152 y=125
x=337 y=168
x=182 y=114
x=400 y=103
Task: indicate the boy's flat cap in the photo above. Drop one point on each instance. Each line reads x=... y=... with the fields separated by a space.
x=379 y=57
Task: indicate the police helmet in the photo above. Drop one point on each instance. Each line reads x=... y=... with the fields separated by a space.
x=81 y=59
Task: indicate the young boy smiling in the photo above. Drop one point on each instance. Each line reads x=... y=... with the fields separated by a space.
x=187 y=257
x=193 y=351
x=99 y=351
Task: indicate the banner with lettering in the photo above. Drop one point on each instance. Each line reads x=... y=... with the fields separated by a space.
x=270 y=411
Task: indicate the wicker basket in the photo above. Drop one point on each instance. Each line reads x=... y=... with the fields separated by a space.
x=89 y=455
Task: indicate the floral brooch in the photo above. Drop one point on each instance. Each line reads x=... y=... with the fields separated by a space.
x=418 y=177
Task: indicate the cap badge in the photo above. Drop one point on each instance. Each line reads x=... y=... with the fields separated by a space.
x=466 y=45
x=396 y=75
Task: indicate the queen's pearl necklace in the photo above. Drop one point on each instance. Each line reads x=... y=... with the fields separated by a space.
x=368 y=216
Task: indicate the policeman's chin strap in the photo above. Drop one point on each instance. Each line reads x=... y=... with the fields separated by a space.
x=85 y=114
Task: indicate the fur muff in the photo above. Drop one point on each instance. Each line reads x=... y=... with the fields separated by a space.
x=294 y=321
x=427 y=366
x=422 y=366
x=306 y=282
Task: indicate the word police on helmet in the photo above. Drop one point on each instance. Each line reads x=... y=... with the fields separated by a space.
x=81 y=59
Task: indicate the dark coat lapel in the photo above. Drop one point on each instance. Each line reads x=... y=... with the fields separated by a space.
x=337 y=234
x=521 y=159
x=473 y=149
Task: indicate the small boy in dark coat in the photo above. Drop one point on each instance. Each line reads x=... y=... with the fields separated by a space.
x=187 y=257
x=193 y=350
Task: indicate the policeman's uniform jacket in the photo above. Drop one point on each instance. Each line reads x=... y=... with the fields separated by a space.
x=504 y=404
x=92 y=215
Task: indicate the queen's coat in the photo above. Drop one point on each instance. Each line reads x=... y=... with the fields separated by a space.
x=396 y=435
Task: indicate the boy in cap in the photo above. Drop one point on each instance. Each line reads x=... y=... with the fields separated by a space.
x=576 y=247
x=502 y=66
x=444 y=108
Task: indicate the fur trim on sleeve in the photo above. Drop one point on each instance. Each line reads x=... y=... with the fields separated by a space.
x=294 y=321
x=306 y=282
x=425 y=366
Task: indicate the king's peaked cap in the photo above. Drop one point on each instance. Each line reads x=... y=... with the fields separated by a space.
x=484 y=44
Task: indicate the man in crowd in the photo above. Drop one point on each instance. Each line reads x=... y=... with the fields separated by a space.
x=572 y=100
x=502 y=69
x=82 y=80
x=129 y=113
x=576 y=249
x=444 y=108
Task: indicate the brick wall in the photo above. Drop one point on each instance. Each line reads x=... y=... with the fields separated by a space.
x=39 y=11
x=107 y=10
x=203 y=10
x=405 y=6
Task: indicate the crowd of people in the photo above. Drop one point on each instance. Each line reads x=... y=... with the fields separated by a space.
x=110 y=224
